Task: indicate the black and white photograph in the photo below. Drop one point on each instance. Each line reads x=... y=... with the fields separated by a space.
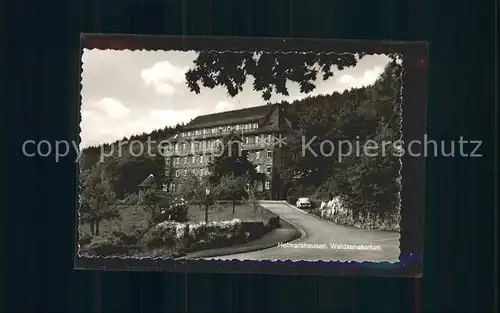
x=249 y=155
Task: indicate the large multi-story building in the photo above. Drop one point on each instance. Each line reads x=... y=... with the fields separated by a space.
x=259 y=127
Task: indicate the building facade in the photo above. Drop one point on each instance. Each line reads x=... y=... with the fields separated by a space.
x=263 y=130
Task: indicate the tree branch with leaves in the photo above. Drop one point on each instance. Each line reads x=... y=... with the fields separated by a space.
x=271 y=70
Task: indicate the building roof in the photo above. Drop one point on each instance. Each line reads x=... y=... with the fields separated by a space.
x=229 y=117
x=148 y=182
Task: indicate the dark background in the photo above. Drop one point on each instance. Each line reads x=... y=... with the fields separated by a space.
x=40 y=58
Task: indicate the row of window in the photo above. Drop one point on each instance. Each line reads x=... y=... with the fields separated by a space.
x=195 y=171
x=202 y=159
x=209 y=144
x=220 y=129
x=173 y=187
x=204 y=171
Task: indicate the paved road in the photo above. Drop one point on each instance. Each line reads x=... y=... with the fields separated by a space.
x=323 y=234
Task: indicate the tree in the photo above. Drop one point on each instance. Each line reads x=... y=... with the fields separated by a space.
x=151 y=198
x=125 y=171
x=232 y=188
x=191 y=189
x=370 y=183
x=254 y=196
x=271 y=70
x=96 y=200
x=231 y=160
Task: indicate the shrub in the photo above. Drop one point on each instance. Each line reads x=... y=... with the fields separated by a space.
x=84 y=239
x=106 y=245
x=131 y=237
x=337 y=211
x=131 y=198
x=164 y=234
x=192 y=236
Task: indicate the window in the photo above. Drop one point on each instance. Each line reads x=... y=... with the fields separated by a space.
x=189 y=134
x=257 y=155
x=268 y=185
x=237 y=127
x=201 y=159
x=214 y=130
x=177 y=160
x=185 y=160
x=229 y=128
x=176 y=147
x=177 y=173
x=268 y=169
x=256 y=139
x=183 y=134
x=185 y=172
x=257 y=169
x=269 y=154
x=193 y=159
x=184 y=146
x=167 y=161
x=269 y=138
x=255 y=125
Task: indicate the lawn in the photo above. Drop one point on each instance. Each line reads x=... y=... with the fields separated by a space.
x=136 y=216
x=130 y=216
x=224 y=212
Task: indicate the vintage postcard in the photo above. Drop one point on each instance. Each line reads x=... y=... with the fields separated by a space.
x=251 y=155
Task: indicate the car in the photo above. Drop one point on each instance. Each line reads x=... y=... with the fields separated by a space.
x=303 y=203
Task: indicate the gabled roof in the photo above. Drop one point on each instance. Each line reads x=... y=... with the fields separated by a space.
x=148 y=182
x=229 y=117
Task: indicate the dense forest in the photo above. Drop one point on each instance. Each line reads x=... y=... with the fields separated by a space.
x=367 y=183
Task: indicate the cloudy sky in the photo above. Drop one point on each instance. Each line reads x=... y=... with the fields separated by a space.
x=131 y=92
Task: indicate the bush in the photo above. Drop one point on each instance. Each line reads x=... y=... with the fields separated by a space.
x=131 y=198
x=194 y=236
x=177 y=210
x=160 y=236
x=84 y=239
x=106 y=245
x=337 y=211
x=130 y=238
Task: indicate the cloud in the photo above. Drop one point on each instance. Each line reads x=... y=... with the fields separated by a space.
x=163 y=75
x=347 y=79
x=368 y=78
x=222 y=106
x=112 y=107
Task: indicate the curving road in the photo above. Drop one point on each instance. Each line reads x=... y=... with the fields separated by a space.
x=319 y=236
